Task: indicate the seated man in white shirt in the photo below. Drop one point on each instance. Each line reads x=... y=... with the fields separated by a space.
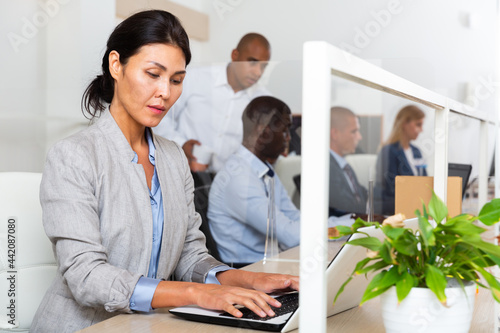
x=238 y=199
x=209 y=110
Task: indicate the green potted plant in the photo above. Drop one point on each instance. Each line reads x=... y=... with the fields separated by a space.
x=408 y=263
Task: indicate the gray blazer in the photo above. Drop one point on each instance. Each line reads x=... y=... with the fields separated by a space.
x=97 y=214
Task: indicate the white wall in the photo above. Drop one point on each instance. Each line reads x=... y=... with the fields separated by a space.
x=196 y=46
x=22 y=85
x=76 y=42
x=51 y=51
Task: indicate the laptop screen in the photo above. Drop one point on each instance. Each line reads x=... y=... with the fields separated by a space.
x=460 y=170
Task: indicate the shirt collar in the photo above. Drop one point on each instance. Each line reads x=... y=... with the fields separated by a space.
x=152 y=148
x=258 y=167
x=221 y=76
x=340 y=160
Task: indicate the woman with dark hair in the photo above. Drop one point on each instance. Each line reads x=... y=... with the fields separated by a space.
x=399 y=157
x=118 y=201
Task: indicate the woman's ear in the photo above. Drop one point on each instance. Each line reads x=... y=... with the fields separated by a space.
x=115 y=65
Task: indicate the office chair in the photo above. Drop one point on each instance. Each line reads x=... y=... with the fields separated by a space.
x=202 y=178
x=363 y=166
x=201 y=191
x=286 y=168
x=32 y=266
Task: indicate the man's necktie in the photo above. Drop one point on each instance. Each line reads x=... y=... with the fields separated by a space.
x=350 y=173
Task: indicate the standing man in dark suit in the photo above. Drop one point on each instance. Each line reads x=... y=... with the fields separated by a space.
x=346 y=194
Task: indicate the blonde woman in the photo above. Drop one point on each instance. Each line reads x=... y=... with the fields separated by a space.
x=399 y=157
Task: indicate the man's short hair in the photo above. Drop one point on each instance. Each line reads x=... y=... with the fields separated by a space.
x=339 y=116
x=250 y=37
x=262 y=111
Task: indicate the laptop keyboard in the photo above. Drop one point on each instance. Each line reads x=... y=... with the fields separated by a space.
x=289 y=303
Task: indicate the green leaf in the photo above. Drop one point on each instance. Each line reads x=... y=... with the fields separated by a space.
x=359 y=223
x=342 y=287
x=426 y=230
x=404 y=285
x=389 y=279
x=426 y=215
x=371 y=243
x=373 y=268
x=373 y=289
x=437 y=208
x=361 y=264
x=461 y=217
x=491 y=249
x=406 y=244
x=431 y=255
x=344 y=230
x=392 y=232
x=436 y=281
x=492 y=282
x=490 y=213
x=402 y=266
x=462 y=227
x=385 y=252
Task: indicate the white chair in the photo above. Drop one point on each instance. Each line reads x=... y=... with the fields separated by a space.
x=286 y=168
x=33 y=262
x=364 y=166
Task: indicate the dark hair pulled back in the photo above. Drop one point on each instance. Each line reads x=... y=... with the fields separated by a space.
x=138 y=30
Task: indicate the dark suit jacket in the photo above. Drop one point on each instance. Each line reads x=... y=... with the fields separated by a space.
x=342 y=199
x=391 y=162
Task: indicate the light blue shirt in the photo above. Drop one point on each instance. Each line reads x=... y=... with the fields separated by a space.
x=238 y=206
x=340 y=160
x=146 y=286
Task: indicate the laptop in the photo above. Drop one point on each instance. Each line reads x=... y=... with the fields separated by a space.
x=460 y=170
x=337 y=272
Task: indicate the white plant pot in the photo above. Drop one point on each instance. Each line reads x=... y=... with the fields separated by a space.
x=421 y=311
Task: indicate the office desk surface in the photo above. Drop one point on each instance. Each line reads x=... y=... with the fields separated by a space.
x=360 y=319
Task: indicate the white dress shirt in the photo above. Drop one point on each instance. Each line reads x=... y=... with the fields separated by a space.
x=209 y=111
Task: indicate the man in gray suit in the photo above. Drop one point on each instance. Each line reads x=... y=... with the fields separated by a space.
x=346 y=194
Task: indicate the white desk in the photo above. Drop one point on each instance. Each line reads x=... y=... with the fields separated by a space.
x=361 y=319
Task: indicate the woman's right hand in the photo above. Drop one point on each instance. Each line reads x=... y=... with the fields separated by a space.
x=214 y=297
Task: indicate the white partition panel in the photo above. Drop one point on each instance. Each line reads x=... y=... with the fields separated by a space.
x=483 y=165
x=321 y=60
x=441 y=152
x=314 y=187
